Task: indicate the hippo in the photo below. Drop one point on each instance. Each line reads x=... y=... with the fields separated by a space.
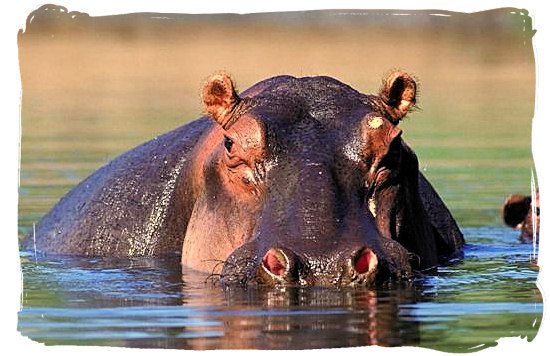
x=295 y=181
x=520 y=213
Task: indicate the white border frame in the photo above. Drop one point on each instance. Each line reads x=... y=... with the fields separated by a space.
x=15 y=15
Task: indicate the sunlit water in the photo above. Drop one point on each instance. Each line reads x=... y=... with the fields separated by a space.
x=87 y=99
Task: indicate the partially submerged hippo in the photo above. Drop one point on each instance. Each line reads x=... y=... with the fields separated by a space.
x=520 y=213
x=297 y=181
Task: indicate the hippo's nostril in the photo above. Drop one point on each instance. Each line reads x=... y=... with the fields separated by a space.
x=275 y=262
x=365 y=261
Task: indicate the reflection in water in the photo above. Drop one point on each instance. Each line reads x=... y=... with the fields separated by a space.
x=299 y=318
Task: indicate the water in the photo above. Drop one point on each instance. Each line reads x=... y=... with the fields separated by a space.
x=88 y=97
x=150 y=303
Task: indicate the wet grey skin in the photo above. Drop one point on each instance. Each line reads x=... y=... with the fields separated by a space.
x=338 y=197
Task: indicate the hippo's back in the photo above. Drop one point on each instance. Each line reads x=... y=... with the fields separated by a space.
x=128 y=207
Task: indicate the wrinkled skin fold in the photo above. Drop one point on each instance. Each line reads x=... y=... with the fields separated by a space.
x=295 y=181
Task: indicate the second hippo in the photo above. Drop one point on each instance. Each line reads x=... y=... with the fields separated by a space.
x=522 y=212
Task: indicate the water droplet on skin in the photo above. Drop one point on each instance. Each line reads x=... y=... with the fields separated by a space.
x=376 y=122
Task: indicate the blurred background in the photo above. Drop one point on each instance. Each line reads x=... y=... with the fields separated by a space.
x=94 y=87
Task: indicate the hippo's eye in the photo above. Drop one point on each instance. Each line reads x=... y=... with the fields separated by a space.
x=228 y=143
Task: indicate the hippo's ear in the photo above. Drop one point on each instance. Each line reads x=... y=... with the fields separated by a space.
x=398 y=91
x=516 y=208
x=220 y=98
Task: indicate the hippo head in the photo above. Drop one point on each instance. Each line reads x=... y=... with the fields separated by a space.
x=305 y=181
x=522 y=212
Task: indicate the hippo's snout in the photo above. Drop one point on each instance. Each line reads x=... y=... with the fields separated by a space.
x=283 y=267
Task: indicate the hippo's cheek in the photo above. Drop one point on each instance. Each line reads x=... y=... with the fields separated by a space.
x=213 y=235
